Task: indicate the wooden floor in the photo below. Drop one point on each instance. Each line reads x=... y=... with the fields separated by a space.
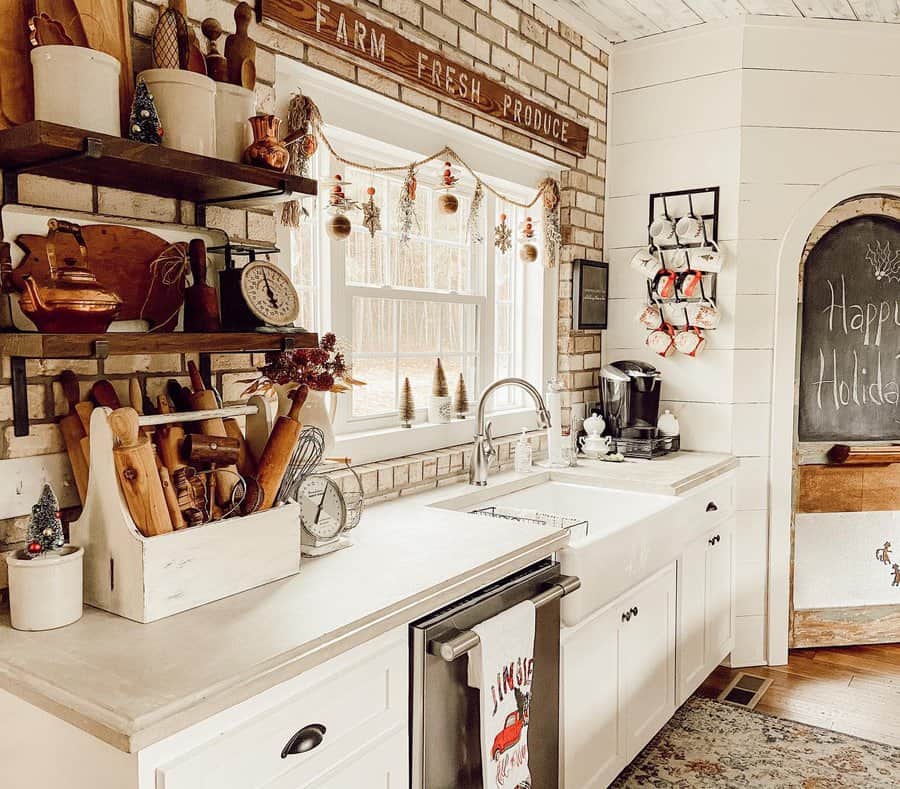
x=854 y=690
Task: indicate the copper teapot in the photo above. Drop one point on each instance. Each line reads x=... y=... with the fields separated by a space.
x=73 y=300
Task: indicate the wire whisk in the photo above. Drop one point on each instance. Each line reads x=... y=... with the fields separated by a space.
x=305 y=458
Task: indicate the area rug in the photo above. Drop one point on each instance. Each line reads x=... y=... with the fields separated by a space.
x=710 y=744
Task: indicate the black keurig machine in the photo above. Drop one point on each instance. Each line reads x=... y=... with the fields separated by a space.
x=629 y=398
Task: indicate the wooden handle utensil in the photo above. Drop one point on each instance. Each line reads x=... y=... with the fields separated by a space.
x=201 y=301
x=202 y=399
x=219 y=450
x=216 y=64
x=169 y=439
x=104 y=393
x=73 y=433
x=138 y=474
x=273 y=463
x=246 y=462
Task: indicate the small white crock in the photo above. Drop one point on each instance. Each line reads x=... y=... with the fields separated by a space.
x=46 y=593
x=77 y=86
x=234 y=107
x=186 y=103
x=439 y=409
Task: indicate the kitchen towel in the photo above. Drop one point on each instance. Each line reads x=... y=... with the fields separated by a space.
x=502 y=666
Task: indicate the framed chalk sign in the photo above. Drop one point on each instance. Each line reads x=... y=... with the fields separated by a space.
x=850 y=334
x=590 y=294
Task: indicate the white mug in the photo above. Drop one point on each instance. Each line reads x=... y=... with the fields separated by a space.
x=662 y=230
x=690 y=229
x=690 y=341
x=706 y=315
x=662 y=340
x=651 y=316
x=647 y=262
x=708 y=259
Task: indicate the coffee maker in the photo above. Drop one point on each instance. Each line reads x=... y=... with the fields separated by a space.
x=629 y=398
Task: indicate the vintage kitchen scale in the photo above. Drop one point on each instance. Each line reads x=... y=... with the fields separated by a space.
x=326 y=510
x=258 y=296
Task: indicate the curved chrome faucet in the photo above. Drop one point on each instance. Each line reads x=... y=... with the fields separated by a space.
x=483 y=445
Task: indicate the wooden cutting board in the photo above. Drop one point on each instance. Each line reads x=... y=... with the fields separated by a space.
x=122 y=259
x=106 y=27
x=16 y=80
x=66 y=13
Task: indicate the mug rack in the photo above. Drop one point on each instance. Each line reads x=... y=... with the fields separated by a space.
x=659 y=207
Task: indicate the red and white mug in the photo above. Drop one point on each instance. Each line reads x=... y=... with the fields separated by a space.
x=662 y=340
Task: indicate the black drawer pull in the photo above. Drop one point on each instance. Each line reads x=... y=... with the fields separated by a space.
x=306 y=739
x=626 y=617
x=712 y=507
x=634 y=611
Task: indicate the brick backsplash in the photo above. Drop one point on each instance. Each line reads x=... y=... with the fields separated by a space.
x=510 y=40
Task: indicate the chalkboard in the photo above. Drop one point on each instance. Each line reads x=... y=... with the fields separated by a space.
x=850 y=341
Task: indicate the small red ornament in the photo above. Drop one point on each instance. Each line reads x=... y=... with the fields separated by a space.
x=34 y=547
x=370 y=191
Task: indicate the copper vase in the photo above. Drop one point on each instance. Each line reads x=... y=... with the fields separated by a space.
x=266 y=149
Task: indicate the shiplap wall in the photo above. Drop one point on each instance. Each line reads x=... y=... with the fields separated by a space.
x=770 y=110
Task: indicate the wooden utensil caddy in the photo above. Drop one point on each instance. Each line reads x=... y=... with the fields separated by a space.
x=148 y=578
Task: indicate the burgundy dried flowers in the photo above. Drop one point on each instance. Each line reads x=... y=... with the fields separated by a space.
x=324 y=369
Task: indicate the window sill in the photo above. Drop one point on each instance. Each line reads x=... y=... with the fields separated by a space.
x=396 y=442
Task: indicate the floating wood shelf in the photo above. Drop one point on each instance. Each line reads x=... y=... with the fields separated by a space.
x=20 y=346
x=57 y=151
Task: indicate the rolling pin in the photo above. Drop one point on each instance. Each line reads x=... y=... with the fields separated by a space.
x=169 y=439
x=138 y=474
x=203 y=399
x=201 y=301
x=84 y=409
x=171 y=496
x=274 y=460
x=73 y=433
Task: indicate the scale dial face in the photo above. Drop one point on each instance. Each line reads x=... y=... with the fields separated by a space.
x=323 y=511
x=269 y=293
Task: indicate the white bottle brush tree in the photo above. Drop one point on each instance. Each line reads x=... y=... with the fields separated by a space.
x=45 y=529
x=439 y=405
x=461 y=405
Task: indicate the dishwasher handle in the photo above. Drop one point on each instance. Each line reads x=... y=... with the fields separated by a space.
x=464 y=642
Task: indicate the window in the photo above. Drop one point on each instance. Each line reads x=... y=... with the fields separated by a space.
x=444 y=294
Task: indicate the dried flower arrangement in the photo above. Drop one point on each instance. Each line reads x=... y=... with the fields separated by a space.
x=323 y=369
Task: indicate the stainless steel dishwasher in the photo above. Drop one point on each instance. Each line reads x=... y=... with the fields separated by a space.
x=444 y=716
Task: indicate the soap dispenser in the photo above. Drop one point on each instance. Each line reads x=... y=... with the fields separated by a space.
x=523 y=454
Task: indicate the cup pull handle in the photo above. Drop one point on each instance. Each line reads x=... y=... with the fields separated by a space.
x=712 y=507
x=306 y=739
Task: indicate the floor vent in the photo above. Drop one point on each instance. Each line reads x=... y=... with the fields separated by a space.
x=745 y=690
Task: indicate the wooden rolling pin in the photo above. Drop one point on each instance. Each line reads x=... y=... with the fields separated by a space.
x=273 y=463
x=169 y=439
x=138 y=474
x=202 y=399
x=73 y=432
x=84 y=409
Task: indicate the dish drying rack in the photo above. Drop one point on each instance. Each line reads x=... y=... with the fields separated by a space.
x=534 y=517
x=647 y=448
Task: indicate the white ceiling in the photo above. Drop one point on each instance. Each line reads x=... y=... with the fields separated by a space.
x=624 y=20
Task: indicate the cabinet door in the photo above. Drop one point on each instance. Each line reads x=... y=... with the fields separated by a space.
x=690 y=645
x=647 y=659
x=720 y=595
x=383 y=766
x=591 y=744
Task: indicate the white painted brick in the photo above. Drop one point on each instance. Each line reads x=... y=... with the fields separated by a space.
x=41 y=440
x=143 y=363
x=51 y=192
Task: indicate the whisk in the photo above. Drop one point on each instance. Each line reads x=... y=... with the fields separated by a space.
x=307 y=455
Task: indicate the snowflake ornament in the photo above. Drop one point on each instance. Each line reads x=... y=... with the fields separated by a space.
x=503 y=235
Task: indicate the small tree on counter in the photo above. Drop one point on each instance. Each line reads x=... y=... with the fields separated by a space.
x=45 y=529
x=407 y=406
x=439 y=382
x=461 y=404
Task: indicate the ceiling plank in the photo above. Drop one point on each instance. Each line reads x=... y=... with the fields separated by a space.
x=573 y=14
x=825 y=9
x=771 y=7
x=621 y=16
x=876 y=10
x=710 y=10
x=667 y=14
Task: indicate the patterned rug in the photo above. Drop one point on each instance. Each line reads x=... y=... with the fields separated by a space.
x=709 y=744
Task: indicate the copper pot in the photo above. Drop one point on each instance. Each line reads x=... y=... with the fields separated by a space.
x=73 y=300
x=267 y=150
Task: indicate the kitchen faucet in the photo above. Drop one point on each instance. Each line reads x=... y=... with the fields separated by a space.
x=483 y=446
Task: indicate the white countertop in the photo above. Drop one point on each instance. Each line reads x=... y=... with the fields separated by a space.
x=132 y=684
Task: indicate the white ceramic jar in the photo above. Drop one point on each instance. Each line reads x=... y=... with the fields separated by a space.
x=186 y=103
x=234 y=107
x=45 y=593
x=76 y=86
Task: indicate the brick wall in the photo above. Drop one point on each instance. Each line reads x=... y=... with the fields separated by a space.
x=510 y=40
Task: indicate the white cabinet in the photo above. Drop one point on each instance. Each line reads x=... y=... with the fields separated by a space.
x=617 y=682
x=705 y=606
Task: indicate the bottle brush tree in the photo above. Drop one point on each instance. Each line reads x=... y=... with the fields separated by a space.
x=461 y=404
x=439 y=382
x=45 y=529
x=407 y=406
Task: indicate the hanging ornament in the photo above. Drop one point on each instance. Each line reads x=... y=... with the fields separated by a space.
x=144 y=124
x=448 y=203
x=371 y=213
x=473 y=224
x=552 y=233
x=528 y=251
x=339 y=226
x=503 y=235
x=407 y=218
x=304 y=124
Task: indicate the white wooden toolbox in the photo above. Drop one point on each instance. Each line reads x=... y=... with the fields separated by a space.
x=148 y=578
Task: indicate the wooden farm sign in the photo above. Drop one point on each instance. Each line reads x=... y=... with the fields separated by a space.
x=341 y=27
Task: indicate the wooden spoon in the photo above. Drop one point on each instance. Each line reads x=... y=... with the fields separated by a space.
x=103 y=393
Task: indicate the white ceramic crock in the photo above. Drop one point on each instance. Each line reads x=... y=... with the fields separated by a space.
x=45 y=593
x=234 y=105
x=314 y=412
x=76 y=86
x=186 y=103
